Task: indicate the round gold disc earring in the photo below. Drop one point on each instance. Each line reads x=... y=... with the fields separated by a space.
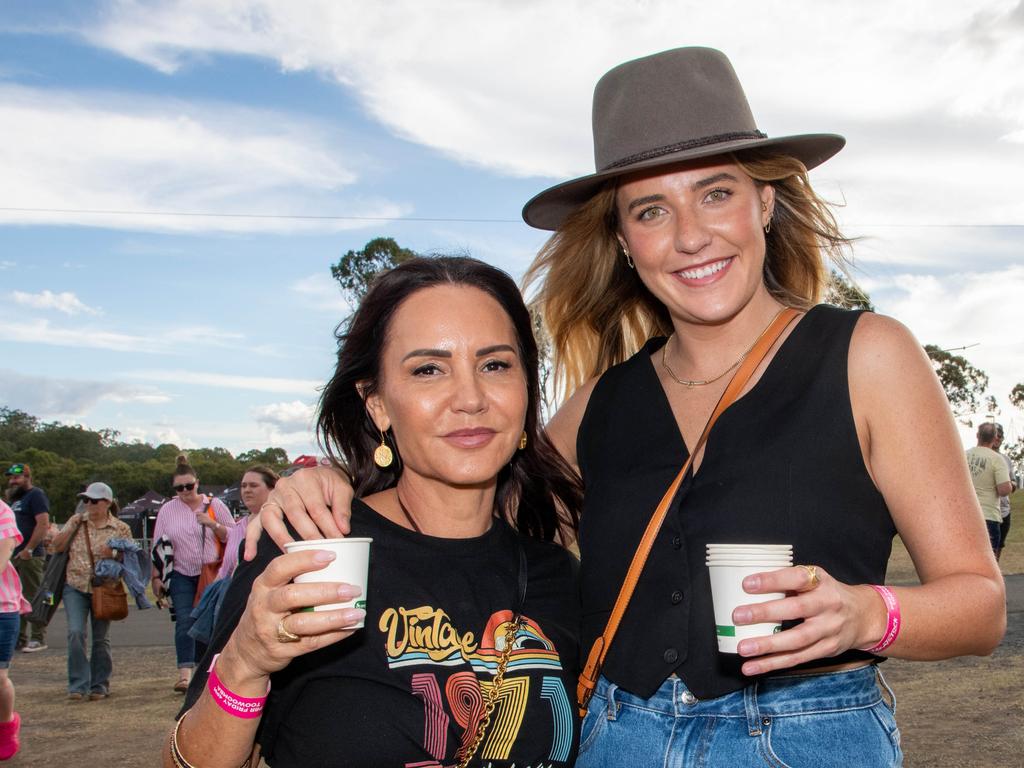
x=382 y=455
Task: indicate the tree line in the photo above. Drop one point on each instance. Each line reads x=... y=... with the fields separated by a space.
x=63 y=457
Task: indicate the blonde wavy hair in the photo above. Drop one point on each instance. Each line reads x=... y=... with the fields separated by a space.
x=597 y=311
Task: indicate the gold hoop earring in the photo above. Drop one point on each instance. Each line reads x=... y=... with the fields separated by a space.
x=629 y=259
x=523 y=441
x=382 y=455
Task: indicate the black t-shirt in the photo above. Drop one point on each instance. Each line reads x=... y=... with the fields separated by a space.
x=401 y=691
x=33 y=502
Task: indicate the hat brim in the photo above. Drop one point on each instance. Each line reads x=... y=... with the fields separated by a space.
x=83 y=497
x=551 y=207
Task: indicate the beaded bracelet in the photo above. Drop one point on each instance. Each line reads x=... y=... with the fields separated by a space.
x=893 y=620
x=232 y=703
x=176 y=756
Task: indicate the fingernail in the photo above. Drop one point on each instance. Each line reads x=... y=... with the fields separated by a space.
x=741 y=615
x=747 y=648
x=351 y=616
x=348 y=591
x=751 y=669
x=323 y=556
x=751 y=583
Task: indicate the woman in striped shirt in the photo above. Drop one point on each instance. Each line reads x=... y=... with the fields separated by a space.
x=12 y=604
x=194 y=524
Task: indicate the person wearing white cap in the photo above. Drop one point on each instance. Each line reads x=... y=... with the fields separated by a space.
x=88 y=674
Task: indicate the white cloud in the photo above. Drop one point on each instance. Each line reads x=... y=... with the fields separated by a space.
x=321 y=292
x=42 y=331
x=223 y=167
x=54 y=397
x=913 y=86
x=65 y=302
x=285 y=418
x=306 y=387
x=974 y=309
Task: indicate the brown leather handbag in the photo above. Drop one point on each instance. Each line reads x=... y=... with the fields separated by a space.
x=599 y=650
x=109 y=598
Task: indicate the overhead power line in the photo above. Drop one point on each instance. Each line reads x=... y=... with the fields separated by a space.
x=437 y=219
x=300 y=217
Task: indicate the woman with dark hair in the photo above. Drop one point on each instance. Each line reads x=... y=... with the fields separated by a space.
x=469 y=646
x=196 y=526
x=698 y=236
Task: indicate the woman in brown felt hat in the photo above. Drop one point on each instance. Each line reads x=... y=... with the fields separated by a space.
x=667 y=265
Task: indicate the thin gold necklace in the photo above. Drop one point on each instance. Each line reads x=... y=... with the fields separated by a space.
x=688 y=382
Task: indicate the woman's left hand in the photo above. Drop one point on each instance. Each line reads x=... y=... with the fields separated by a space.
x=836 y=617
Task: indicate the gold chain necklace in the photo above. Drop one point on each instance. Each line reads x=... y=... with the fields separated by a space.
x=688 y=382
x=492 y=694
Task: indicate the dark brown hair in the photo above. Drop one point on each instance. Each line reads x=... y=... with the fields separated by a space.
x=270 y=477
x=538 y=493
x=182 y=467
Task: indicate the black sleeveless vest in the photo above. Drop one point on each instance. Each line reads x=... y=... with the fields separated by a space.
x=782 y=465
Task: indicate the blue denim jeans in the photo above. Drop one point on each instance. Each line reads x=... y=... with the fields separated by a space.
x=182 y=590
x=9 y=624
x=828 y=720
x=86 y=674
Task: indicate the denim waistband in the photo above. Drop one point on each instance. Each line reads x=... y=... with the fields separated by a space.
x=768 y=697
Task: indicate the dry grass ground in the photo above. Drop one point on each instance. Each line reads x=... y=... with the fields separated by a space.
x=964 y=712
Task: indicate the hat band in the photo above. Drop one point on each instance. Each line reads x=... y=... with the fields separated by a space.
x=704 y=141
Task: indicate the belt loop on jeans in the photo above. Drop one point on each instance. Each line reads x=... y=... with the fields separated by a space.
x=754 y=721
x=891 y=704
x=612 y=710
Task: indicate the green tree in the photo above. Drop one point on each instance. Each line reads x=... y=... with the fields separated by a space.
x=356 y=269
x=964 y=384
x=841 y=291
x=275 y=458
x=1017 y=396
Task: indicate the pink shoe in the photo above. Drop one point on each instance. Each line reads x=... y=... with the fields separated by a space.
x=9 y=741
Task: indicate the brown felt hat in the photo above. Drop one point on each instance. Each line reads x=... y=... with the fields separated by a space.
x=673 y=106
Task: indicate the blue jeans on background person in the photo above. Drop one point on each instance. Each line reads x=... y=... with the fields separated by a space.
x=9 y=624
x=182 y=590
x=994 y=534
x=86 y=674
x=825 y=720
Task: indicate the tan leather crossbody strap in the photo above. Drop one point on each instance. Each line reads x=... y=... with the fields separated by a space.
x=595 y=660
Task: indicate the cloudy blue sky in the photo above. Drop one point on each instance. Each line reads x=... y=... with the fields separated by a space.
x=176 y=177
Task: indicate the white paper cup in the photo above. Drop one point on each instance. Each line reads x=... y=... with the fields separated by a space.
x=351 y=565
x=766 y=548
x=727 y=594
x=764 y=565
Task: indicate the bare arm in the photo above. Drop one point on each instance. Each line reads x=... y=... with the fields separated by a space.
x=63 y=538
x=915 y=457
x=1004 y=489
x=253 y=652
x=6 y=548
x=38 y=534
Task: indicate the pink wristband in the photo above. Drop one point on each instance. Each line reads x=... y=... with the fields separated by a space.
x=893 y=620
x=232 y=703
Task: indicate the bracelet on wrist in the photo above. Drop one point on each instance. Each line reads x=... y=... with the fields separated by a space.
x=893 y=619
x=245 y=707
x=176 y=756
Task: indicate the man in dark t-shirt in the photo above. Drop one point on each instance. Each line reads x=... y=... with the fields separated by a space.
x=32 y=513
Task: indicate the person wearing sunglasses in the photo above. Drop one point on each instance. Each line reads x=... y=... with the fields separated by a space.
x=196 y=527
x=88 y=674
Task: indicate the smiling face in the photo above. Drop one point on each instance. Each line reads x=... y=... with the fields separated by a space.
x=452 y=386
x=254 y=491
x=696 y=234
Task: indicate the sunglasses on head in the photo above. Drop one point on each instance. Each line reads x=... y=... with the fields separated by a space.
x=93 y=501
x=184 y=487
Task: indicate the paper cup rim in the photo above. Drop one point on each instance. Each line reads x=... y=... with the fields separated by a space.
x=749 y=546
x=322 y=542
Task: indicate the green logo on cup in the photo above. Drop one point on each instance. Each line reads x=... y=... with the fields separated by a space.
x=725 y=630
x=360 y=603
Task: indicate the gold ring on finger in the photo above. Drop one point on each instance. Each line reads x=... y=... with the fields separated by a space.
x=812 y=576
x=283 y=635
